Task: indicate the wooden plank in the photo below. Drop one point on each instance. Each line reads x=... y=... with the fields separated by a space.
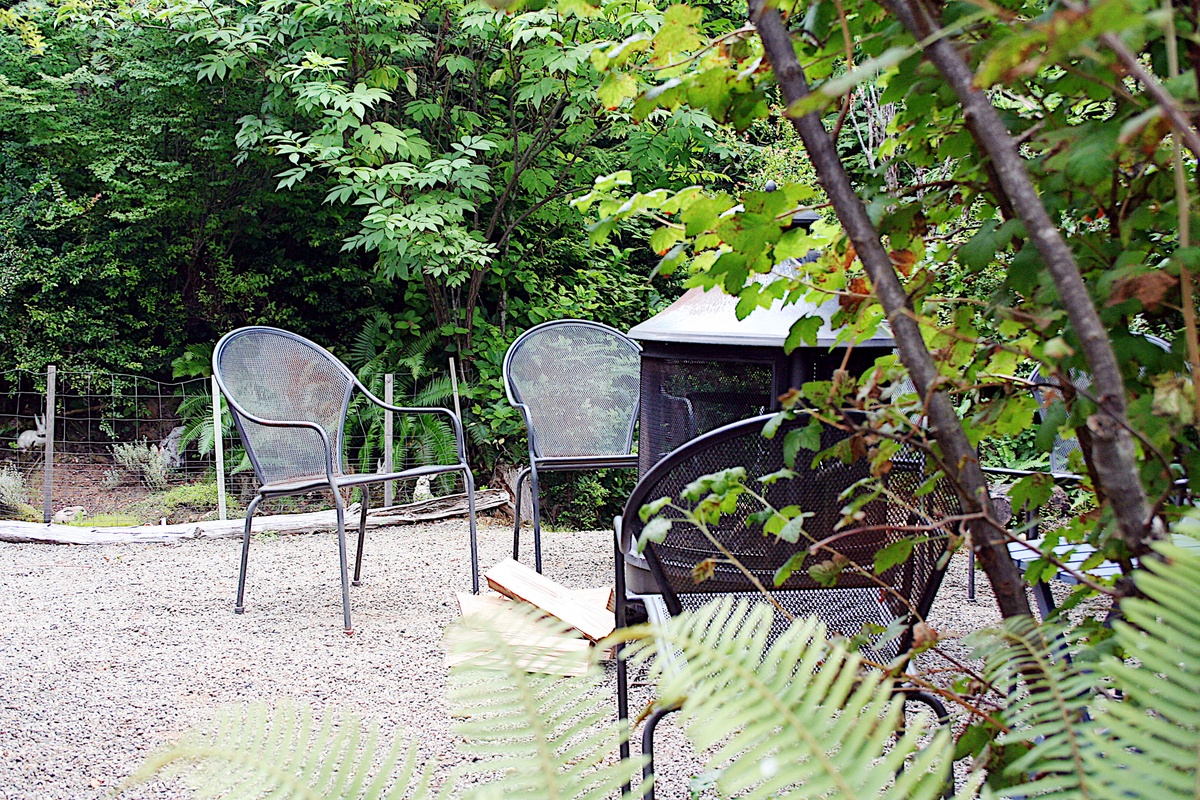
x=534 y=650
x=389 y=438
x=48 y=459
x=602 y=597
x=522 y=583
x=474 y=603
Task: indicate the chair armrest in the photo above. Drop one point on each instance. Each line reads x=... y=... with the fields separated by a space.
x=405 y=409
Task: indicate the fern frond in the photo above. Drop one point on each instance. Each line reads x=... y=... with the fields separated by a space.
x=364 y=348
x=437 y=391
x=1046 y=706
x=546 y=735
x=796 y=718
x=260 y=752
x=1152 y=738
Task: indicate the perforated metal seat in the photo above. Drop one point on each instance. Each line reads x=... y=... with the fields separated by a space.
x=576 y=386
x=859 y=600
x=289 y=398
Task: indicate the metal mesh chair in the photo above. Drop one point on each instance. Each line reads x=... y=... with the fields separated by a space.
x=903 y=592
x=1046 y=391
x=289 y=398
x=576 y=386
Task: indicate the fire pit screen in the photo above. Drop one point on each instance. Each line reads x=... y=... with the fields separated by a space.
x=702 y=367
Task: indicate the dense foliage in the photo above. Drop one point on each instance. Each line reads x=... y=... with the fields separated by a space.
x=392 y=170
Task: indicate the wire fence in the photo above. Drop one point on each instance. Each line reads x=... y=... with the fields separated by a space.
x=125 y=449
x=110 y=441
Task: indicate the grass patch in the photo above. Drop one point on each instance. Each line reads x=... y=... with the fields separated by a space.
x=13 y=496
x=117 y=520
x=186 y=502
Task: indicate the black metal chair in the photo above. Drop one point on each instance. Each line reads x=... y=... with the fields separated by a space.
x=289 y=398
x=576 y=384
x=1045 y=391
x=904 y=592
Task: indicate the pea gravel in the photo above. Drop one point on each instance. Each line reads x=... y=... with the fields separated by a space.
x=108 y=653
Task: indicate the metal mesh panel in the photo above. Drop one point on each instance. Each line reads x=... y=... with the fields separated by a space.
x=278 y=376
x=856 y=598
x=683 y=398
x=579 y=382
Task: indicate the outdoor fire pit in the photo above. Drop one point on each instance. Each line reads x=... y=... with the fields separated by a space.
x=702 y=367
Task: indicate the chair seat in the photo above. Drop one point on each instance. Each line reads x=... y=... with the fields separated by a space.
x=1073 y=557
x=308 y=483
x=594 y=461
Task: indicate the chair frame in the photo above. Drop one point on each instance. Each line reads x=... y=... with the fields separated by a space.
x=638 y=498
x=334 y=479
x=537 y=462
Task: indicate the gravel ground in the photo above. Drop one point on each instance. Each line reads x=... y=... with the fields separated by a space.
x=107 y=653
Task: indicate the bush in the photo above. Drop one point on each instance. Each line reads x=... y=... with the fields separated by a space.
x=14 y=497
x=146 y=461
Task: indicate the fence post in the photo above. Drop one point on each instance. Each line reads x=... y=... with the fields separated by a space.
x=389 y=388
x=48 y=461
x=218 y=449
x=454 y=390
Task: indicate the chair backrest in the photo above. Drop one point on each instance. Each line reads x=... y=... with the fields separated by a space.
x=1060 y=452
x=858 y=596
x=579 y=384
x=277 y=375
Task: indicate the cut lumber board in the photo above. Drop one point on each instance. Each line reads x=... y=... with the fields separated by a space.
x=603 y=597
x=312 y=522
x=484 y=603
x=519 y=582
x=535 y=651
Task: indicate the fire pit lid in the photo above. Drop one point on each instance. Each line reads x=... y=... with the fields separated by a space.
x=710 y=317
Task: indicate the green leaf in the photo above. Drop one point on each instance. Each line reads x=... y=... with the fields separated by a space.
x=654 y=531
x=1053 y=418
x=616 y=88
x=771 y=478
x=991 y=238
x=794 y=527
x=895 y=553
x=652 y=508
x=802 y=333
x=795 y=561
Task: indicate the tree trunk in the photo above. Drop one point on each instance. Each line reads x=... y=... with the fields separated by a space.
x=961 y=460
x=1113 y=453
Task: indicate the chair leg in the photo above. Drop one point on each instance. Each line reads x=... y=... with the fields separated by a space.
x=622 y=667
x=537 y=517
x=362 y=535
x=341 y=532
x=943 y=718
x=469 y=480
x=648 y=749
x=524 y=473
x=971 y=574
x=240 y=607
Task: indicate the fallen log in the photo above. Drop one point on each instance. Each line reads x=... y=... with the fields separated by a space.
x=427 y=510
